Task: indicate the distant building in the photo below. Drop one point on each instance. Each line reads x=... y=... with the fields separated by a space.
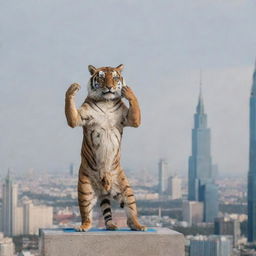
x=223 y=226
x=192 y=212
x=210 y=246
x=252 y=165
x=71 y=170
x=201 y=186
x=6 y=246
x=163 y=175
x=174 y=188
x=19 y=221
x=36 y=217
x=10 y=195
x=211 y=201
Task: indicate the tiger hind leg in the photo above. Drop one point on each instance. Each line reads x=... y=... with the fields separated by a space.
x=86 y=201
x=128 y=202
x=106 y=211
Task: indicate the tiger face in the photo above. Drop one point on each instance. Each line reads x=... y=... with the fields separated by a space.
x=105 y=83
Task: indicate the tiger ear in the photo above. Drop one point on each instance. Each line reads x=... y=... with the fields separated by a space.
x=120 y=67
x=92 y=69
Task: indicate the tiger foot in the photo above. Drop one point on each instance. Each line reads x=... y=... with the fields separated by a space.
x=84 y=227
x=136 y=226
x=111 y=226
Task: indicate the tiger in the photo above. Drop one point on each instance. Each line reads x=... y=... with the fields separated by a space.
x=103 y=115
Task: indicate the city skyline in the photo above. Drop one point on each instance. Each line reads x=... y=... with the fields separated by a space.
x=43 y=53
x=191 y=163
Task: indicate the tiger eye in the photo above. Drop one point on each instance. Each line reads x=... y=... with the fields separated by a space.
x=101 y=78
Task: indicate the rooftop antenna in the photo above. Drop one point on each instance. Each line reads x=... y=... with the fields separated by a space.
x=200 y=83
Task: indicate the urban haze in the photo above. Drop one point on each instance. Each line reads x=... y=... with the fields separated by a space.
x=47 y=45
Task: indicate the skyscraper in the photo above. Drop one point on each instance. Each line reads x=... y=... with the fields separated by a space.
x=10 y=194
x=163 y=176
x=252 y=165
x=201 y=185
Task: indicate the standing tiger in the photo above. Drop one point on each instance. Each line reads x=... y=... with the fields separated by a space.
x=103 y=115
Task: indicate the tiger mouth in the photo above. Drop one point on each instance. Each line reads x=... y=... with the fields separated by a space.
x=108 y=92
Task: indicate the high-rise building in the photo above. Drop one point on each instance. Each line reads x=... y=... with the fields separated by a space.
x=6 y=246
x=252 y=165
x=192 y=212
x=10 y=196
x=211 y=246
x=201 y=186
x=174 y=188
x=224 y=226
x=163 y=175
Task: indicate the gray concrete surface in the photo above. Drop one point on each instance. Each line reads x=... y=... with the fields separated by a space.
x=155 y=242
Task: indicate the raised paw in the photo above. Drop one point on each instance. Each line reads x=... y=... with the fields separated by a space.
x=128 y=93
x=84 y=227
x=72 y=90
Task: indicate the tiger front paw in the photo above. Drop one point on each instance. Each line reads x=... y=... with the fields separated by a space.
x=72 y=90
x=128 y=93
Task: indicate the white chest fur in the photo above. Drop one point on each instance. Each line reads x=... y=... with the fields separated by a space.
x=103 y=131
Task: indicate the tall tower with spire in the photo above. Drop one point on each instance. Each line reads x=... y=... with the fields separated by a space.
x=252 y=165
x=10 y=194
x=201 y=185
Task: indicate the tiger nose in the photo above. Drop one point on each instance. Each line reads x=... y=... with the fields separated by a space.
x=109 y=86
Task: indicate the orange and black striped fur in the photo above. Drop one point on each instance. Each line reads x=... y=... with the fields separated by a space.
x=103 y=115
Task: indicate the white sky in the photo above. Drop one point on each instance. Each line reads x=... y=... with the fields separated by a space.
x=46 y=45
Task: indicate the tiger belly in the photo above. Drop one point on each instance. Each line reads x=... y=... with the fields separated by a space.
x=101 y=152
x=106 y=145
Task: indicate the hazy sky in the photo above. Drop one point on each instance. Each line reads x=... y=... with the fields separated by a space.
x=46 y=45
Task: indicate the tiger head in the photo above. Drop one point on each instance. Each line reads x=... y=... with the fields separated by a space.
x=105 y=83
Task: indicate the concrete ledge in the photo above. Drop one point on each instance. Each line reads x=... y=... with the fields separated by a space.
x=99 y=242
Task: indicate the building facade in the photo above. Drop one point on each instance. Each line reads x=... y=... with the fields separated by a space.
x=192 y=212
x=201 y=185
x=174 y=188
x=211 y=246
x=35 y=217
x=252 y=165
x=225 y=226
